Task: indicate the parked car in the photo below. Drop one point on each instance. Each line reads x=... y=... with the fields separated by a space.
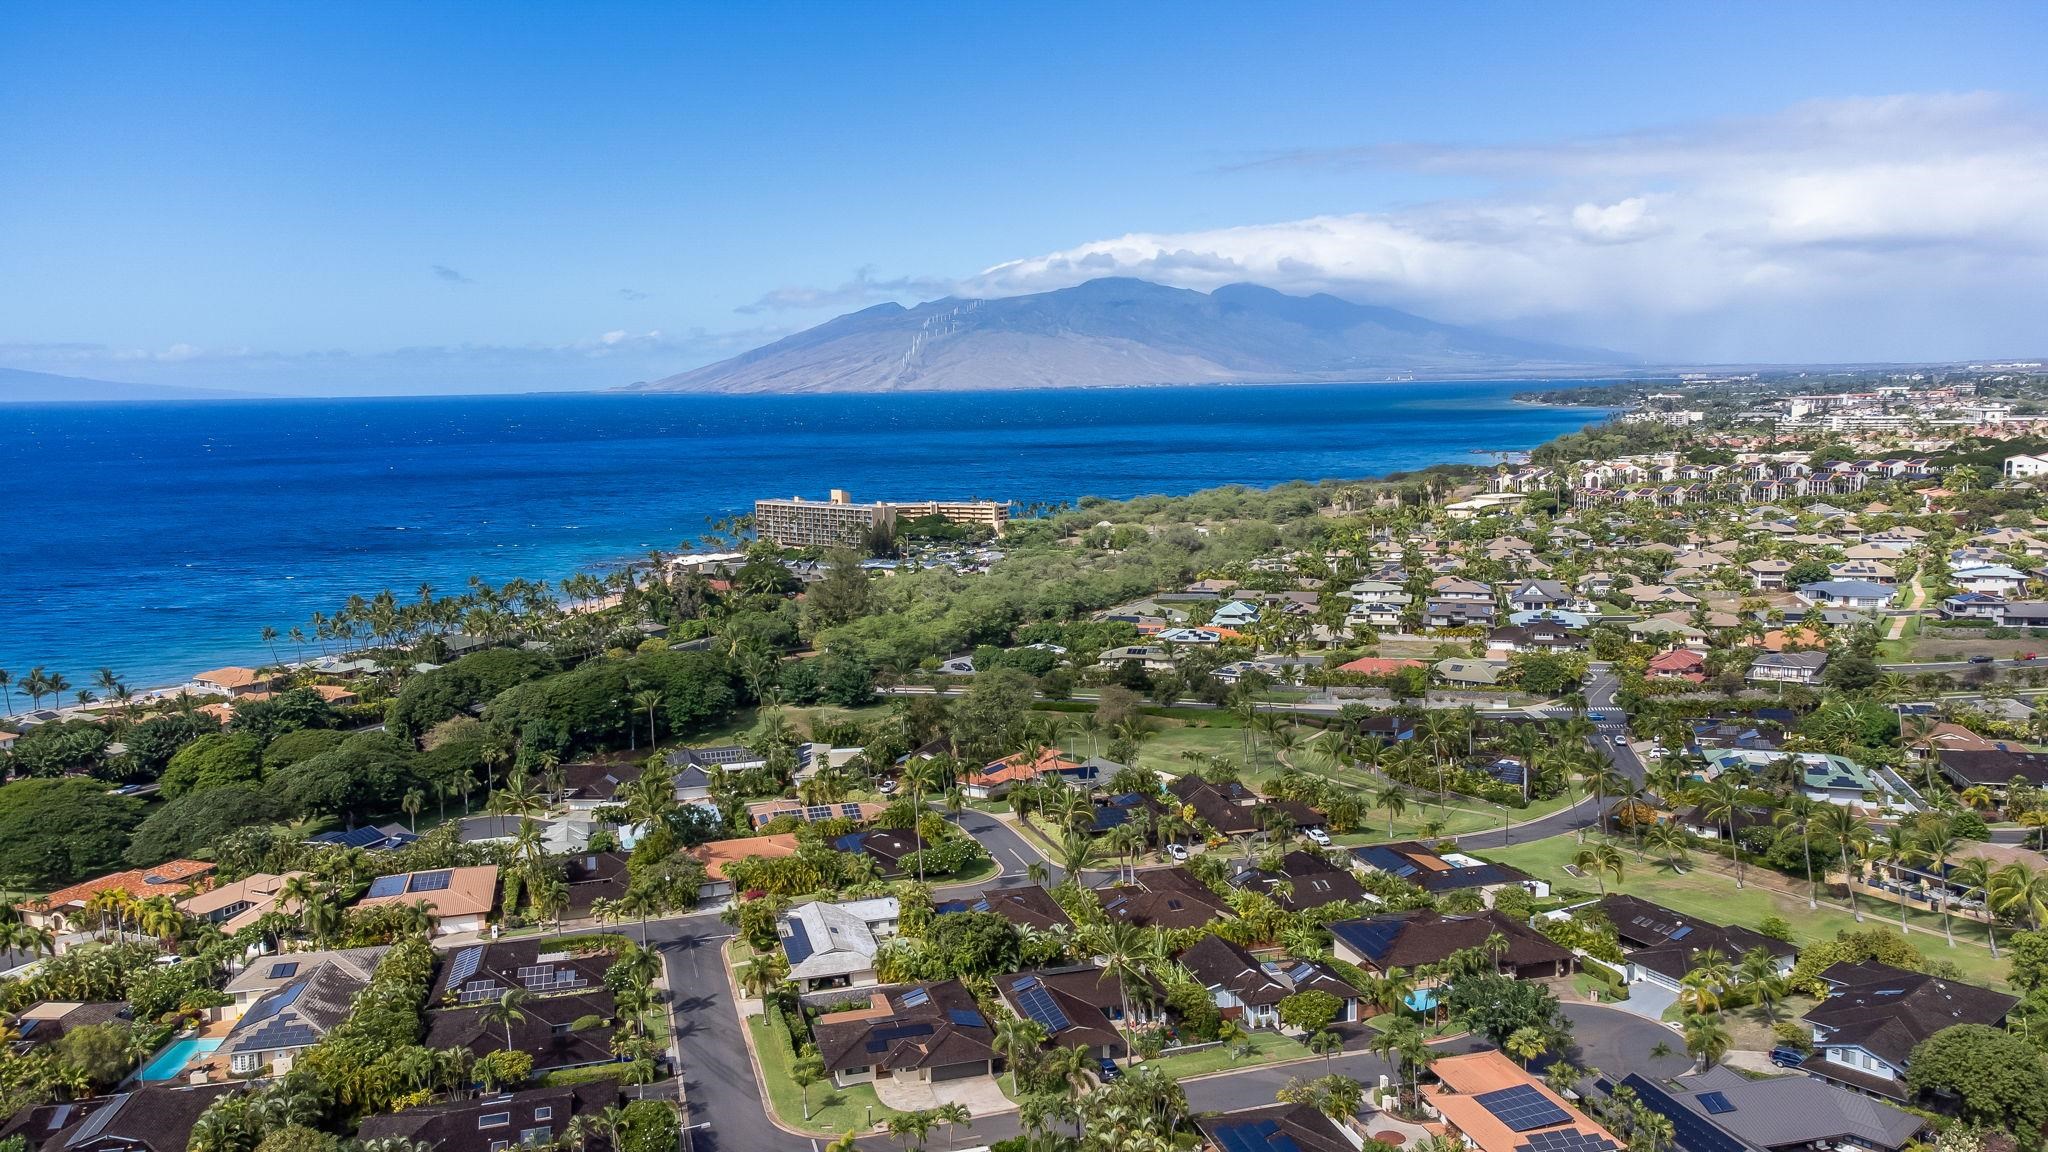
x=1107 y=1070
x=1980 y=658
x=1620 y=739
x=1321 y=837
x=888 y=786
x=1177 y=852
x=1787 y=1057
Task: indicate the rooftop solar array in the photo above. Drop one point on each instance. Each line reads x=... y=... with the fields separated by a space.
x=1037 y=1003
x=916 y=998
x=796 y=944
x=387 y=886
x=1522 y=1108
x=880 y=1039
x=1690 y=1131
x=1567 y=1140
x=850 y=811
x=430 y=881
x=1258 y=1136
x=1372 y=938
x=1715 y=1102
x=464 y=964
x=282 y=971
x=966 y=1018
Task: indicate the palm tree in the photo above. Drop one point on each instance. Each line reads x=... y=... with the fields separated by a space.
x=1761 y=977
x=762 y=974
x=2017 y=890
x=1723 y=801
x=807 y=1069
x=950 y=1114
x=1016 y=1037
x=1707 y=983
x=1847 y=829
x=7 y=690
x=1600 y=861
x=1937 y=845
x=1394 y=799
x=1326 y=1044
x=1798 y=810
x=1974 y=874
x=1672 y=841
x=1126 y=952
x=1705 y=1039
x=649 y=700
x=1525 y=1044
x=56 y=685
x=1078 y=852
x=508 y=1009
x=413 y=801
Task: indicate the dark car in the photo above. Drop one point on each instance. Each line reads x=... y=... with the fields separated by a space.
x=1787 y=1057
x=1980 y=658
x=1107 y=1070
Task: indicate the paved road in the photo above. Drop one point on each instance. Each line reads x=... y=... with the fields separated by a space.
x=1613 y=722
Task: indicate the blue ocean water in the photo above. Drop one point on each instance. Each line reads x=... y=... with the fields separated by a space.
x=159 y=539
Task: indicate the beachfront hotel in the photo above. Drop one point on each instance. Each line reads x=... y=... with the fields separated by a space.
x=839 y=522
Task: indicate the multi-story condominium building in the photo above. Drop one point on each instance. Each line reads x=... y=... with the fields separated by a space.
x=993 y=515
x=838 y=522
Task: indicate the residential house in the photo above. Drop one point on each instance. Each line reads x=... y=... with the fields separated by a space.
x=1438 y=872
x=1119 y=810
x=1408 y=940
x=1974 y=606
x=1996 y=579
x=1232 y=809
x=266 y=975
x=149 y=1119
x=924 y=1033
x=535 y=966
x=1459 y=672
x=2026 y=614
x=1787 y=668
x=1495 y=1105
x=286 y=1021
x=1029 y=906
x=835 y=945
x=1163 y=898
x=232 y=682
x=764 y=812
x=378 y=838
x=994 y=780
x=1722 y=1110
x=45 y=1022
x=1274 y=1128
x=1994 y=768
x=1378 y=666
x=1539 y=596
x=715 y=855
x=1303 y=880
x=502 y=1121
x=1855 y=594
x=1677 y=664
x=63 y=911
x=1459 y=614
x=233 y=907
x=1235 y=614
x=1662 y=945
x=570 y=1030
x=1874 y=1015
x=894 y=850
x=1249 y=991
x=459 y=899
x=1079 y=1007
x=594 y=876
x=731 y=757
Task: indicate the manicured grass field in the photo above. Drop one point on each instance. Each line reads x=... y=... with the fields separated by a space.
x=1271 y=1047
x=1712 y=896
x=833 y=1110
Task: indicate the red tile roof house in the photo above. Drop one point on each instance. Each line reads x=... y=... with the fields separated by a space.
x=995 y=780
x=232 y=681
x=1677 y=664
x=63 y=911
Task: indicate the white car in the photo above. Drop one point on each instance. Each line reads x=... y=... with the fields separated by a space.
x=1620 y=740
x=1319 y=836
x=1177 y=852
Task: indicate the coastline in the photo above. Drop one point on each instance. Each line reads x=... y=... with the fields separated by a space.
x=599 y=519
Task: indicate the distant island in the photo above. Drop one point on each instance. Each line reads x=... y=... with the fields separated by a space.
x=18 y=386
x=1119 y=332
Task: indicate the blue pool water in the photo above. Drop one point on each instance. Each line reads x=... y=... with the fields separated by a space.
x=159 y=539
x=172 y=1060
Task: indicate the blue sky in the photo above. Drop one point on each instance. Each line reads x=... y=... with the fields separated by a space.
x=317 y=199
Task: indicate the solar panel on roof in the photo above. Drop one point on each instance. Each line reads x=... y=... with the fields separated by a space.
x=916 y=998
x=386 y=886
x=282 y=971
x=1691 y=1131
x=1038 y=1004
x=1682 y=933
x=966 y=1018
x=429 y=881
x=1566 y=1140
x=850 y=811
x=464 y=965
x=1522 y=1108
x=1715 y=1102
x=797 y=946
x=817 y=812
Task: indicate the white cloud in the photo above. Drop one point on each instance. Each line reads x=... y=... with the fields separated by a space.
x=1905 y=226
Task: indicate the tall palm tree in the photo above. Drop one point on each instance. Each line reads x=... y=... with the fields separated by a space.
x=649 y=700
x=1017 y=1037
x=1394 y=799
x=1722 y=801
x=410 y=804
x=1974 y=874
x=1798 y=810
x=1937 y=845
x=2017 y=890
x=1759 y=974
x=1705 y=1039
x=1848 y=830
x=7 y=690
x=1127 y=953
x=508 y=1009
x=1600 y=860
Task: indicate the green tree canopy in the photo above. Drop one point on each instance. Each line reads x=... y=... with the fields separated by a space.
x=1995 y=1078
x=53 y=832
x=213 y=761
x=200 y=819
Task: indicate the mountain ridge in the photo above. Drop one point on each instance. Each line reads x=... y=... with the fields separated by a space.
x=1122 y=332
x=21 y=386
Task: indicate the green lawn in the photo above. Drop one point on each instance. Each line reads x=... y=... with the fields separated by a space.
x=833 y=1110
x=1713 y=896
x=1272 y=1047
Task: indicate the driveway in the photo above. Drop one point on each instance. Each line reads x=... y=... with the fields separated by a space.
x=1618 y=1043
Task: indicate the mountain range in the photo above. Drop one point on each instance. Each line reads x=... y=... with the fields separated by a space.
x=1121 y=332
x=19 y=386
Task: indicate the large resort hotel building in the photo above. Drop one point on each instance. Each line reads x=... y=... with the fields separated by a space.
x=839 y=522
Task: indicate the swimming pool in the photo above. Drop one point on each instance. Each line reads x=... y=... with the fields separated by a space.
x=172 y=1060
